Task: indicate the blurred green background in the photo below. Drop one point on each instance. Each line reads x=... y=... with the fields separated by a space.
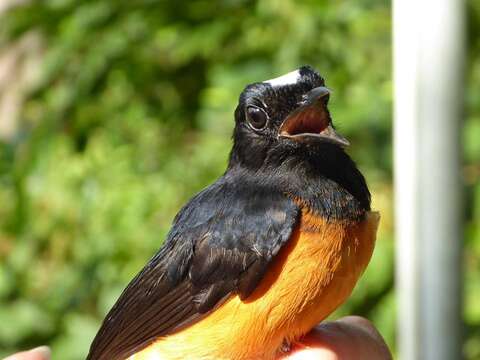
x=116 y=112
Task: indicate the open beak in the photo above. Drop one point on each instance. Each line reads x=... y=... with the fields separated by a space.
x=311 y=121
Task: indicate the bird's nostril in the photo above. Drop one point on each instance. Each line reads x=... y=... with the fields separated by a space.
x=325 y=99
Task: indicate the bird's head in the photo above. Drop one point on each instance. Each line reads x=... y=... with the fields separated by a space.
x=282 y=116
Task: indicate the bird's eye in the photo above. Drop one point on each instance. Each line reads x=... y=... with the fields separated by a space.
x=256 y=117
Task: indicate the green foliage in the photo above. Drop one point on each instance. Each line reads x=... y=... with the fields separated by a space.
x=132 y=115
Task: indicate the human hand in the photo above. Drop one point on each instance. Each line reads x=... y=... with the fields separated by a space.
x=349 y=338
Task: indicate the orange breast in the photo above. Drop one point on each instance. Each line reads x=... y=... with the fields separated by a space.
x=312 y=275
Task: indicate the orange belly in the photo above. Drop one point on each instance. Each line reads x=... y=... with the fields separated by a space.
x=311 y=276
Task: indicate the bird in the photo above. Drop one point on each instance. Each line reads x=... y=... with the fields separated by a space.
x=255 y=260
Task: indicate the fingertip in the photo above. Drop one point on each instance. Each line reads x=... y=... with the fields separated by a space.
x=42 y=352
x=367 y=327
x=313 y=354
x=38 y=353
x=360 y=322
x=352 y=337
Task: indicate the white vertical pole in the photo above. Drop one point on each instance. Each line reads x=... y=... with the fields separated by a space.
x=428 y=62
x=441 y=89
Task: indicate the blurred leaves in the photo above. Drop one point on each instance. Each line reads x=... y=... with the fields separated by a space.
x=132 y=114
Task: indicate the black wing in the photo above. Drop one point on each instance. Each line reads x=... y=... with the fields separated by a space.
x=220 y=243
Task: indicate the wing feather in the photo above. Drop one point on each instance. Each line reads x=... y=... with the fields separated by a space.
x=220 y=244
